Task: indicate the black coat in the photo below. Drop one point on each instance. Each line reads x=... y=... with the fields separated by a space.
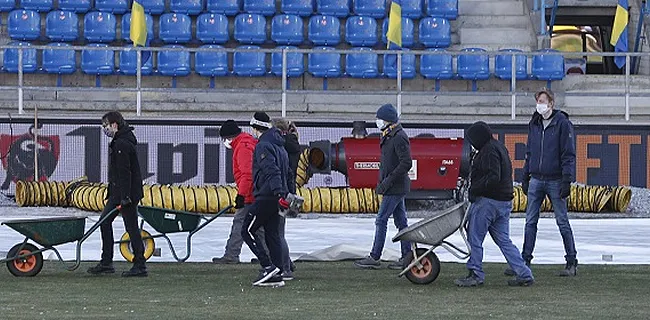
x=491 y=175
x=395 y=162
x=124 y=178
x=550 y=151
x=292 y=146
x=270 y=166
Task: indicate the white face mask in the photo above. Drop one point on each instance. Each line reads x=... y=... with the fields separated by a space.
x=380 y=124
x=544 y=110
x=227 y=142
x=108 y=131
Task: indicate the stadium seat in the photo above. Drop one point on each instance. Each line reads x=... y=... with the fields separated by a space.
x=287 y=29
x=295 y=63
x=447 y=9
x=175 y=28
x=435 y=32
x=174 y=63
x=211 y=64
x=548 y=66
x=212 y=28
x=189 y=7
x=112 y=6
x=412 y=9
x=503 y=65
x=370 y=8
x=126 y=27
x=98 y=62
x=227 y=7
x=324 y=30
x=250 y=28
x=408 y=32
x=78 y=6
x=7 y=5
x=249 y=64
x=62 y=26
x=361 y=31
x=473 y=67
x=408 y=66
x=24 y=25
x=100 y=26
x=436 y=66
x=129 y=63
x=361 y=65
x=153 y=7
x=59 y=61
x=303 y=8
x=337 y=8
x=263 y=7
x=323 y=64
x=37 y=5
x=10 y=58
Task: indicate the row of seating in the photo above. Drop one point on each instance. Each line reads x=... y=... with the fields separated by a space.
x=321 y=63
x=340 y=8
x=213 y=28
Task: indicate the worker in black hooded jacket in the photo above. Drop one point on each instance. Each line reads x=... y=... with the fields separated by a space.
x=124 y=193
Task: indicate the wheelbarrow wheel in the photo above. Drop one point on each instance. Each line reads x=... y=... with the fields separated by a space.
x=127 y=251
x=24 y=267
x=427 y=272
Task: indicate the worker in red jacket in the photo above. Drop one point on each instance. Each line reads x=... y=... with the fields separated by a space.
x=242 y=145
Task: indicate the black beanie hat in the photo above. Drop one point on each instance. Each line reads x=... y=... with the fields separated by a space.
x=479 y=134
x=261 y=121
x=229 y=129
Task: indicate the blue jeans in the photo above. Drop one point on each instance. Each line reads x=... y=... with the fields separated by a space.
x=390 y=205
x=488 y=215
x=537 y=191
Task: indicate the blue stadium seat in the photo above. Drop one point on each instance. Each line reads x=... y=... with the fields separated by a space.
x=175 y=28
x=98 y=62
x=435 y=32
x=370 y=8
x=287 y=29
x=212 y=28
x=113 y=6
x=153 y=7
x=227 y=7
x=503 y=65
x=174 y=63
x=249 y=64
x=78 y=6
x=412 y=9
x=361 y=65
x=303 y=8
x=7 y=5
x=325 y=30
x=59 y=61
x=436 y=66
x=263 y=7
x=100 y=26
x=361 y=31
x=126 y=27
x=10 y=58
x=250 y=28
x=473 y=67
x=295 y=63
x=337 y=8
x=62 y=26
x=24 y=25
x=211 y=64
x=408 y=66
x=37 y=5
x=129 y=63
x=548 y=66
x=189 y=7
x=323 y=64
x=447 y=9
x=408 y=32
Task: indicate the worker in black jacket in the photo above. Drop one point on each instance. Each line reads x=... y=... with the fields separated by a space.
x=124 y=193
x=490 y=193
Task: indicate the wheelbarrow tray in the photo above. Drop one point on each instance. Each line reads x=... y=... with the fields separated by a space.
x=434 y=230
x=169 y=221
x=50 y=232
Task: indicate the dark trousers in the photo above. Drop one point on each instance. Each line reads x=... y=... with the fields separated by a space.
x=130 y=217
x=264 y=213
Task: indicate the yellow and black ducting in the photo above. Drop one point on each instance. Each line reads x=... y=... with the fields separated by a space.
x=583 y=199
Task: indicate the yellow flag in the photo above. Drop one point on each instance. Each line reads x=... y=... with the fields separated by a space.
x=138 y=32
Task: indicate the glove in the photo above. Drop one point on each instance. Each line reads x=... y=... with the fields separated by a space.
x=283 y=203
x=239 y=201
x=381 y=188
x=124 y=203
x=525 y=183
x=565 y=188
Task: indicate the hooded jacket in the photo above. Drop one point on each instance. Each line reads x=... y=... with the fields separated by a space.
x=395 y=161
x=124 y=178
x=270 y=166
x=491 y=175
x=243 y=146
x=550 y=151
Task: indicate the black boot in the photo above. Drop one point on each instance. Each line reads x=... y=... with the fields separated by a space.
x=509 y=272
x=570 y=269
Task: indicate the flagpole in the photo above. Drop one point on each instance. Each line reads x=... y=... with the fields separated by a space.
x=139 y=83
x=399 y=83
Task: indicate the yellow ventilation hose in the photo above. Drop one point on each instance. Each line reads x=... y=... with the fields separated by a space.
x=42 y=193
x=303 y=174
x=340 y=200
x=583 y=199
